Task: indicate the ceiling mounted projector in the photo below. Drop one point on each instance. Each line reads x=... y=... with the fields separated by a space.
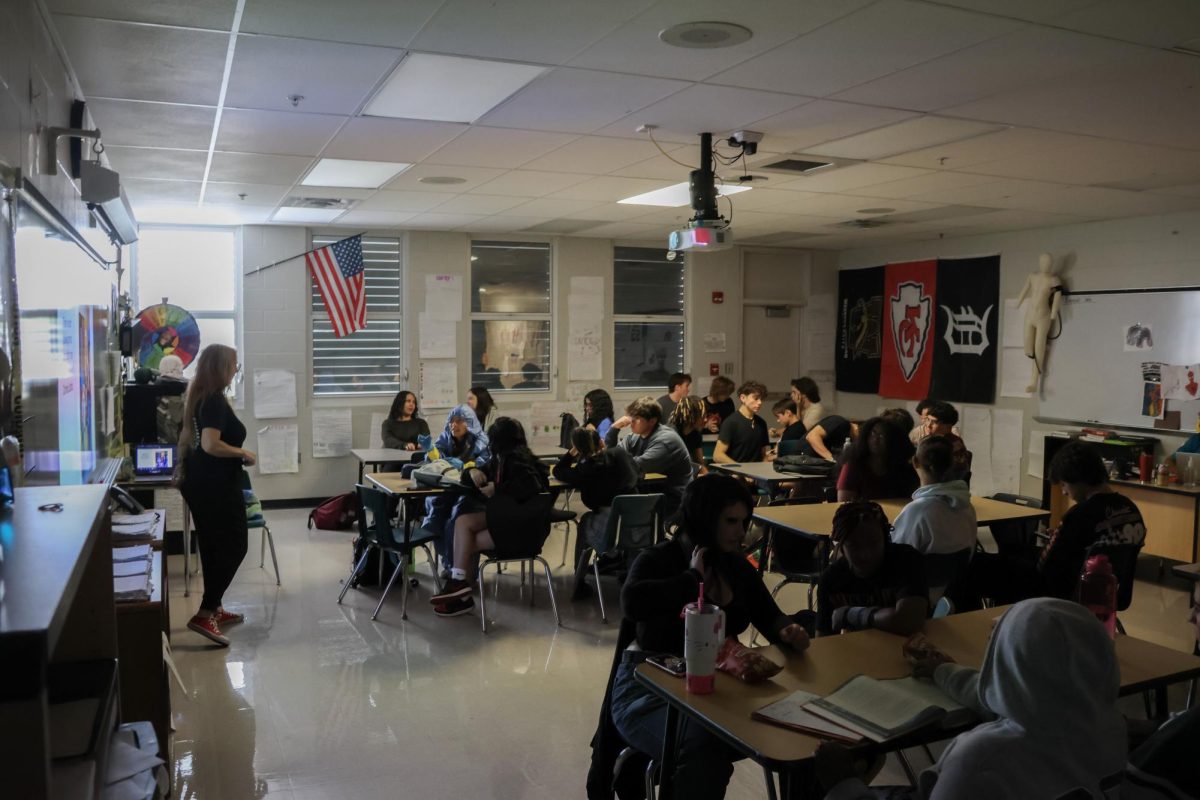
x=707 y=229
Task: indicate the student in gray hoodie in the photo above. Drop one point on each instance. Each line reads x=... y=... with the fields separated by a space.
x=940 y=520
x=1048 y=693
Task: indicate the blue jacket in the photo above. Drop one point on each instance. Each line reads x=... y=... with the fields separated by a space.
x=477 y=449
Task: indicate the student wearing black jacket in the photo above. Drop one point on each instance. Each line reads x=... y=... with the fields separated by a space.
x=599 y=475
x=710 y=528
x=509 y=481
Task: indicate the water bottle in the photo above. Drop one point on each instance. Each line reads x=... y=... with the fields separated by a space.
x=1145 y=464
x=1098 y=591
x=703 y=635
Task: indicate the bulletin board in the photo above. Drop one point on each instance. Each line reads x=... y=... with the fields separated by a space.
x=1098 y=366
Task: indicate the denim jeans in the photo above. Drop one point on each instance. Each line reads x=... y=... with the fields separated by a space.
x=703 y=763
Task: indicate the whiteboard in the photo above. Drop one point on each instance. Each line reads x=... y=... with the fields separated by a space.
x=1091 y=377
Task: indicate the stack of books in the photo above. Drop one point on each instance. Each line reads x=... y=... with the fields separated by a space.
x=131 y=573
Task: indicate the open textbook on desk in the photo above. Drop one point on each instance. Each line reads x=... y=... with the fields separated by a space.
x=868 y=707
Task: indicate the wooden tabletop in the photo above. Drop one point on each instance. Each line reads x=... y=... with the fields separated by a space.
x=764 y=472
x=382 y=455
x=395 y=483
x=832 y=660
x=816 y=519
x=1189 y=572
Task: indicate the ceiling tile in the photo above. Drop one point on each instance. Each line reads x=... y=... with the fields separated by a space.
x=139 y=124
x=1155 y=23
x=472 y=177
x=1032 y=10
x=256 y=194
x=142 y=190
x=1008 y=143
x=213 y=14
x=856 y=176
x=333 y=78
x=926 y=185
x=255 y=168
x=403 y=140
x=1102 y=202
x=144 y=62
x=523 y=30
x=1189 y=190
x=371 y=219
x=498 y=147
x=596 y=155
x=401 y=201
x=477 y=204
x=1101 y=161
x=153 y=162
x=440 y=222
x=379 y=22
x=276 y=132
x=883 y=38
x=191 y=214
x=552 y=207
x=1021 y=58
x=997 y=194
x=660 y=167
x=609 y=189
x=502 y=223
x=579 y=100
x=904 y=136
x=634 y=231
x=822 y=121
x=773 y=22
x=716 y=109
x=531 y=183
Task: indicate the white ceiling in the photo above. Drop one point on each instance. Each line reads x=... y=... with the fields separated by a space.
x=968 y=116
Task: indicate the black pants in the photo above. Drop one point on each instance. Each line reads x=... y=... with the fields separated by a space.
x=219 y=517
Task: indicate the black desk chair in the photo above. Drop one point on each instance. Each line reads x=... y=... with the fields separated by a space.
x=532 y=527
x=634 y=523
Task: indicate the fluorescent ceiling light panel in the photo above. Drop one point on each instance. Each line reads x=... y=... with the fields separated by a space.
x=357 y=174
x=448 y=88
x=288 y=214
x=675 y=196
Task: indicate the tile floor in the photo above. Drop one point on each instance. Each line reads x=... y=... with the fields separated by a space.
x=314 y=700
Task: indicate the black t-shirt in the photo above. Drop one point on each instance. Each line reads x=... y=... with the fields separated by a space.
x=794 y=431
x=902 y=575
x=693 y=441
x=202 y=468
x=836 y=430
x=744 y=438
x=1106 y=519
x=718 y=411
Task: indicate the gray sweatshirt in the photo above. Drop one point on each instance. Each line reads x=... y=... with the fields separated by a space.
x=940 y=519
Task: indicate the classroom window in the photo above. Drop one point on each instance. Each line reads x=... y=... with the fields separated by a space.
x=648 y=324
x=195 y=269
x=369 y=360
x=510 y=315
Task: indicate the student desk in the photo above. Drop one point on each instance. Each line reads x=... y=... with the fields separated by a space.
x=378 y=456
x=832 y=660
x=1189 y=572
x=764 y=475
x=816 y=519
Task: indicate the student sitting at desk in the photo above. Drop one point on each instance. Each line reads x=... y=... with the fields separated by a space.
x=919 y=431
x=403 y=426
x=718 y=405
x=807 y=398
x=1048 y=690
x=679 y=386
x=873 y=583
x=688 y=419
x=481 y=402
x=599 y=474
x=941 y=419
x=654 y=447
x=598 y=412
x=513 y=473
x=705 y=550
x=790 y=424
x=464 y=439
x=878 y=465
x=829 y=436
x=743 y=436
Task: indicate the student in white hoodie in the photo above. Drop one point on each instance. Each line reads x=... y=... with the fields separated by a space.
x=940 y=521
x=1048 y=690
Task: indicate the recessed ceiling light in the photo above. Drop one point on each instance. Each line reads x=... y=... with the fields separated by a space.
x=356 y=174
x=448 y=88
x=307 y=214
x=705 y=34
x=674 y=196
x=441 y=180
x=881 y=210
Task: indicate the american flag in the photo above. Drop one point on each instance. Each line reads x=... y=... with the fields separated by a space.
x=338 y=271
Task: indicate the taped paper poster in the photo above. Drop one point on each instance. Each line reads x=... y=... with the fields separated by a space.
x=279 y=449
x=331 y=432
x=1152 y=400
x=1181 y=383
x=375 y=442
x=1138 y=336
x=274 y=393
x=439 y=384
x=443 y=297
x=438 y=337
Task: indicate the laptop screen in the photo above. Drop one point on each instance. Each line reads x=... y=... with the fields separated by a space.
x=154 y=459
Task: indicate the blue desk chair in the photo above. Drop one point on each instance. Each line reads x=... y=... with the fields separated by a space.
x=260 y=522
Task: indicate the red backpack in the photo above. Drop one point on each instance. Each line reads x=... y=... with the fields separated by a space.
x=338 y=513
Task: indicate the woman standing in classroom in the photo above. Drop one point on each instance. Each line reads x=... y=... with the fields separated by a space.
x=212 y=457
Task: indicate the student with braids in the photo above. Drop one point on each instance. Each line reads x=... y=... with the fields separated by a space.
x=872 y=582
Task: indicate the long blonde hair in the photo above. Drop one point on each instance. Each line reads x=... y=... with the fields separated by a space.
x=213 y=367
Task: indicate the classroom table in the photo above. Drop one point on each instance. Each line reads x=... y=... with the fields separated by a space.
x=830 y=661
x=377 y=456
x=168 y=482
x=816 y=519
x=764 y=475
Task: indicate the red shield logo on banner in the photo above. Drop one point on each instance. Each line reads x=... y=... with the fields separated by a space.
x=910 y=319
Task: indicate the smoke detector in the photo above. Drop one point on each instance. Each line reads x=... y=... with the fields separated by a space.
x=441 y=180
x=705 y=35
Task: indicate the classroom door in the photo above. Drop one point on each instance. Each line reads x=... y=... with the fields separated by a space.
x=771 y=349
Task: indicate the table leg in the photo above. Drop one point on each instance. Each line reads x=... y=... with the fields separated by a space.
x=666 y=768
x=1160 y=703
x=770 y=778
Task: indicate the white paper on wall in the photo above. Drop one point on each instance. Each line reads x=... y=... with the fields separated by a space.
x=976 y=427
x=1007 y=434
x=439 y=384
x=1014 y=325
x=1015 y=372
x=274 y=393
x=443 y=297
x=1037 y=453
x=585 y=315
x=714 y=342
x=331 y=432
x=375 y=442
x=438 y=337
x=279 y=449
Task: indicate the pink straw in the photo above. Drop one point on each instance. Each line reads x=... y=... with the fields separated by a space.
x=700 y=600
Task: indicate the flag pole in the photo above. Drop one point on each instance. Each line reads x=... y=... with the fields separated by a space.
x=298 y=255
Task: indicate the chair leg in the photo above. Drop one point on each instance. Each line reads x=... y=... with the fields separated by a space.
x=651 y=777
x=908 y=770
x=482 y=595
x=262 y=548
x=437 y=580
x=391 y=580
x=522 y=574
x=599 y=588
x=532 y=588
x=404 y=591
x=362 y=563
x=274 y=561
x=566 y=541
x=549 y=588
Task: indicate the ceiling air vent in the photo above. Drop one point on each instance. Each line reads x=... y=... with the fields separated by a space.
x=317 y=202
x=801 y=165
x=861 y=224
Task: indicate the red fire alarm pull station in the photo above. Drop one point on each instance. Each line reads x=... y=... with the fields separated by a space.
x=714 y=369
x=718 y=297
